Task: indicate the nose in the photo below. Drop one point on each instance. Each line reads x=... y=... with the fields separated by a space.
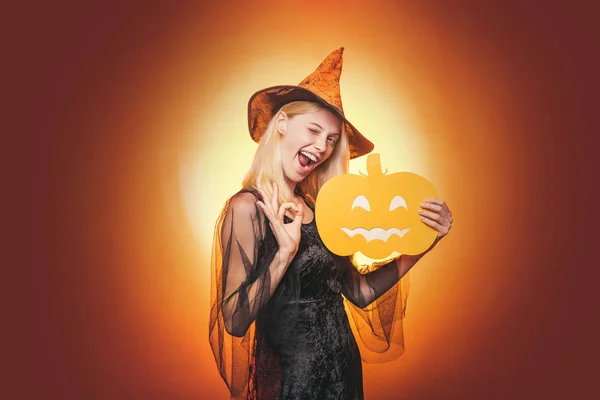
x=321 y=143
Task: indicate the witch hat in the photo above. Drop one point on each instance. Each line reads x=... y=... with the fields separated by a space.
x=322 y=86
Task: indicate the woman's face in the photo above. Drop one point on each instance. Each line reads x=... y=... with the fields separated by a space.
x=308 y=140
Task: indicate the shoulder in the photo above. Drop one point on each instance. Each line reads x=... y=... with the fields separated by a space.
x=243 y=202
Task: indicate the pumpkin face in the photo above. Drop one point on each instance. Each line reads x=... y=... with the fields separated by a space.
x=376 y=214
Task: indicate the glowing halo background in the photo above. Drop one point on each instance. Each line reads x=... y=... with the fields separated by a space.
x=141 y=134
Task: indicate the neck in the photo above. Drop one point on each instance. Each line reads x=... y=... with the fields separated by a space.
x=291 y=185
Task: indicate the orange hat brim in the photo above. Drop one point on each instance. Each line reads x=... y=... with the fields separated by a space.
x=265 y=103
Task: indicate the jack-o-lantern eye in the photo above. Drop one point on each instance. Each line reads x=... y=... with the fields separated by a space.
x=398 y=201
x=362 y=202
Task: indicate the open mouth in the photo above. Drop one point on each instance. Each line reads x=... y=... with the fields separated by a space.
x=306 y=160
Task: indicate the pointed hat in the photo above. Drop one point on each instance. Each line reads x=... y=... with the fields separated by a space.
x=322 y=86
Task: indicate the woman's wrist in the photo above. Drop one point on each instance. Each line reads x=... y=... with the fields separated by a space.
x=285 y=257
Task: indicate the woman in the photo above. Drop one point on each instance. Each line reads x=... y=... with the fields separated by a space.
x=278 y=324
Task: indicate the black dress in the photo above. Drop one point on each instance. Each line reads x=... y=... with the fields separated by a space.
x=296 y=343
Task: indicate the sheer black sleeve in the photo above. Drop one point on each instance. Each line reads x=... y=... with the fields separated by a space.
x=375 y=300
x=240 y=288
x=245 y=281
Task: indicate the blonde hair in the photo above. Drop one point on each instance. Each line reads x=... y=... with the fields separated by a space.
x=266 y=167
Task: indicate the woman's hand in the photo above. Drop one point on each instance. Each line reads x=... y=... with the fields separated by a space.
x=437 y=215
x=287 y=235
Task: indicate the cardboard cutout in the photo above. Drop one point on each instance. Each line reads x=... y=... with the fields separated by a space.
x=375 y=214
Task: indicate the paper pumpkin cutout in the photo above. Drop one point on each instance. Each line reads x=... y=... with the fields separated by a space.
x=376 y=214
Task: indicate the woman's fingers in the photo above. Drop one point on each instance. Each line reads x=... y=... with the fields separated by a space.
x=431 y=206
x=436 y=201
x=266 y=210
x=275 y=221
x=264 y=199
x=286 y=206
x=441 y=225
x=437 y=215
x=271 y=203
x=442 y=229
x=274 y=218
x=438 y=205
x=430 y=215
x=287 y=235
x=299 y=213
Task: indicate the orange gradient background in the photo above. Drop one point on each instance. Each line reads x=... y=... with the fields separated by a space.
x=145 y=112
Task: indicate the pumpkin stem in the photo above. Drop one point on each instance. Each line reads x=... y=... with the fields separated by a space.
x=374 y=165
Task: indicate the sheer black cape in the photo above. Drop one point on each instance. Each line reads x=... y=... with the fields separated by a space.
x=374 y=299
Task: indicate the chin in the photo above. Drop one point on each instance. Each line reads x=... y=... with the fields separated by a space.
x=297 y=178
x=293 y=176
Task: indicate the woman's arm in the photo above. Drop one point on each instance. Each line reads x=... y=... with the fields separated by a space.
x=247 y=284
x=364 y=289
x=241 y=302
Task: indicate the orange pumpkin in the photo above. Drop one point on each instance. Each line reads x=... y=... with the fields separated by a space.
x=376 y=214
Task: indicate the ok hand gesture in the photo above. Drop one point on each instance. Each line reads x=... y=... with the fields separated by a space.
x=287 y=235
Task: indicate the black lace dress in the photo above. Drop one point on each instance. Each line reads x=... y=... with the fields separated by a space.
x=296 y=343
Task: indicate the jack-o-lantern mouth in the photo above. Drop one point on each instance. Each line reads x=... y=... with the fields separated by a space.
x=376 y=233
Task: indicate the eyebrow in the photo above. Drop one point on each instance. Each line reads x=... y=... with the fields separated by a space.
x=320 y=127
